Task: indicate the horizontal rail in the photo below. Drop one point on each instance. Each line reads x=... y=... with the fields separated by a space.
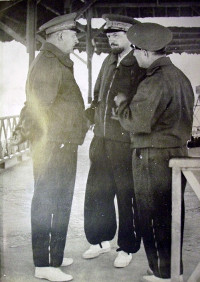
x=7 y=151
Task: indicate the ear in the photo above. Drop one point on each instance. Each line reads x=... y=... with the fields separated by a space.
x=146 y=53
x=59 y=35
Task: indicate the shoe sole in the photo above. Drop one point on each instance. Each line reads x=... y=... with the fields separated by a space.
x=124 y=265
x=65 y=264
x=97 y=254
x=43 y=277
x=149 y=272
x=120 y=266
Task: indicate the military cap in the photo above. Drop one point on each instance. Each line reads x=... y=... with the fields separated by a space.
x=117 y=22
x=149 y=36
x=64 y=22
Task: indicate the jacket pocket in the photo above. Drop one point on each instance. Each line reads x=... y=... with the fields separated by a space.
x=96 y=149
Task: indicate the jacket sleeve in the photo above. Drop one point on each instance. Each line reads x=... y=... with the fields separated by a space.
x=142 y=113
x=89 y=113
x=137 y=75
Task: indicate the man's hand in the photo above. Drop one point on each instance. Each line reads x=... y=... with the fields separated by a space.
x=119 y=99
x=16 y=138
x=114 y=114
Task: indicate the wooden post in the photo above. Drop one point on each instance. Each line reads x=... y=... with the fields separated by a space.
x=89 y=50
x=176 y=224
x=31 y=28
x=67 y=6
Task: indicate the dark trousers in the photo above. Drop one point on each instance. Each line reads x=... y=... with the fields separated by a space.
x=153 y=187
x=110 y=175
x=54 y=178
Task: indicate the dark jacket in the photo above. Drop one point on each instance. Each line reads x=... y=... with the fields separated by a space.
x=161 y=113
x=54 y=99
x=112 y=80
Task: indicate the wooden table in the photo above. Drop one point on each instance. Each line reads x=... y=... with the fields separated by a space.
x=187 y=166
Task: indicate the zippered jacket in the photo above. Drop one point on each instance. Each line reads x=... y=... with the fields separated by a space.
x=113 y=79
x=160 y=115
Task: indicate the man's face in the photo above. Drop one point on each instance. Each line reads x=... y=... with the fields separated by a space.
x=141 y=57
x=118 y=41
x=68 y=40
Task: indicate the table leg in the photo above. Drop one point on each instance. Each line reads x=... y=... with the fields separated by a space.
x=176 y=225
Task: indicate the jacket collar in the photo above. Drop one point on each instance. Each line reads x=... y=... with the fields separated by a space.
x=163 y=61
x=62 y=57
x=128 y=60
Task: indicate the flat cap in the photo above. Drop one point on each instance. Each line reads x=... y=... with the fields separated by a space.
x=117 y=22
x=64 y=22
x=149 y=36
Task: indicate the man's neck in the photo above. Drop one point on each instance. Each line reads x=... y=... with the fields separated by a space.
x=57 y=45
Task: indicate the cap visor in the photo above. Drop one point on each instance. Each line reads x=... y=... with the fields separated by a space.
x=109 y=30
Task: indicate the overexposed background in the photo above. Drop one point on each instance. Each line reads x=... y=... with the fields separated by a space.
x=14 y=66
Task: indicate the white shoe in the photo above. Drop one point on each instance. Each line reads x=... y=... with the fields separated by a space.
x=149 y=271
x=52 y=274
x=67 y=261
x=123 y=259
x=95 y=250
x=153 y=278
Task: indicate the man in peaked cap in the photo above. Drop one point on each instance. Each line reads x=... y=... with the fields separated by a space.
x=110 y=173
x=54 y=118
x=159 y=119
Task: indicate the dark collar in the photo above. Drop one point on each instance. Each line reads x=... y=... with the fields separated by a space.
x=163 y=61
x=62 y=57
x=128 y=60
x=113 y=59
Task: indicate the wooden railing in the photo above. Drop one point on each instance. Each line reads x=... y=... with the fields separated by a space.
x=7 y=152
x=190 y=167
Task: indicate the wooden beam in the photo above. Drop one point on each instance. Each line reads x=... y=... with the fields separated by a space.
x=196 y=10
x=191 y=51
x=100 y=30
x=85 y=8
x=67 y=6
x=193 y=180
x=50 y=9
x=12 y=33
x=182 y=47
x=176 y=224
x=10 y=6
x=31 y=29
x=185 y=41
x=147 y=4
x=11 y=19
x=78 y=57
x=195 y=276
x=89 y=50
x=185 y=162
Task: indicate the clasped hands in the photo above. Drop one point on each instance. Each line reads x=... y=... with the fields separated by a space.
x=119 y=99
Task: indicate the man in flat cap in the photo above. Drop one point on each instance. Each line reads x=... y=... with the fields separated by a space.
x=159 y=119
x=54 y=121
x=110 y=173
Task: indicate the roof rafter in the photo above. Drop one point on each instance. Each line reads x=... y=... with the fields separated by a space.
x=85 y=8
x=12 y=33
x=10 y=6
x=49 y=8
x=195 y=10
x=151 y=5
